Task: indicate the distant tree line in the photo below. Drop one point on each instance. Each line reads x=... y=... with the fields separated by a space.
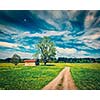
x=9 y=60
x=59 y=60
x=78 y=60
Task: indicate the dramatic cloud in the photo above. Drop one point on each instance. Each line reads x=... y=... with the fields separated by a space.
x=10 y=45
x=76 y=33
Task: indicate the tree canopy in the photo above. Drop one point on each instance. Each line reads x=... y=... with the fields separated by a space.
x=46 y=49
x=15 y=59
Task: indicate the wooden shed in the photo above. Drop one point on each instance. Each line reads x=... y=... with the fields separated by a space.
x=30 y=62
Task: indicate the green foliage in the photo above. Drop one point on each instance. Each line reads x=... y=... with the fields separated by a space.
x=27 y=78
x=47 y=49
x=16 y=59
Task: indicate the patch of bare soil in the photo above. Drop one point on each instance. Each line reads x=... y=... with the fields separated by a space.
x=63 y=81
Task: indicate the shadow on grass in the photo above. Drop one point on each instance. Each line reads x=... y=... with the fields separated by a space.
x=48 y=65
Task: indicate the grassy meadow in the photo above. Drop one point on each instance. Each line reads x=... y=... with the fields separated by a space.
x=86 y=75
x=20 y=77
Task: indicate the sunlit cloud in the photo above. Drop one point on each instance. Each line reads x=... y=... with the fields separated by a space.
x=10 y=45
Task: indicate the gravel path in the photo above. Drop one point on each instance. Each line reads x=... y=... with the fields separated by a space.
x=63 y=81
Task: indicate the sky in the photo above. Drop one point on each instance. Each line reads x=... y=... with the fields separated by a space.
x=75 y=33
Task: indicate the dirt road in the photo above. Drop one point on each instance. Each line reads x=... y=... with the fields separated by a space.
x=63 y=81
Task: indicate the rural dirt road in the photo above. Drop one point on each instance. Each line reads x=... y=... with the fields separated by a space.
x=63 y=81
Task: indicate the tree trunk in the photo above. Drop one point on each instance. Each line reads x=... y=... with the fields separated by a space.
x=44 y=63
x=15 y=64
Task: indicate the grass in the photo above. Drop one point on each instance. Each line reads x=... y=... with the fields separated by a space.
x=27 y=78
x=86 y=75
x=84 y=65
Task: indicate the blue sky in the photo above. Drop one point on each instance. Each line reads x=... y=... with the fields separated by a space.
x=75 y=33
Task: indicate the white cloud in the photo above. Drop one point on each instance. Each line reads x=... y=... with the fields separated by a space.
x=67 y=37
x=91 y=31
x=82 y=52
x=70 y=52
x=56 y=14
x=90 y=40
x=50 y=17
x=26 y=47
x=21 y=35
x=89 y=19
x=66 y=50
x=52 y=22
x=10 y=45
x=92 y=36
x=93 y=44
x=13 y=45
x=24 y=54
x=6 y=54
x=72 y=14
x=83 y=47
x=56 y=18
x=8 y=29
x=45 y=33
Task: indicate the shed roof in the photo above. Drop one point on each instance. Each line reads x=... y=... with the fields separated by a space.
x=33 y=60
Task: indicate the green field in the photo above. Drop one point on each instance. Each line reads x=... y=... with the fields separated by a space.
x=20 y=77
x=31 y=78
x=86 y=76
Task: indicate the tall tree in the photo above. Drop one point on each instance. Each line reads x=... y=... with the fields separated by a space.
x=46 y=49
x=16 y=59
